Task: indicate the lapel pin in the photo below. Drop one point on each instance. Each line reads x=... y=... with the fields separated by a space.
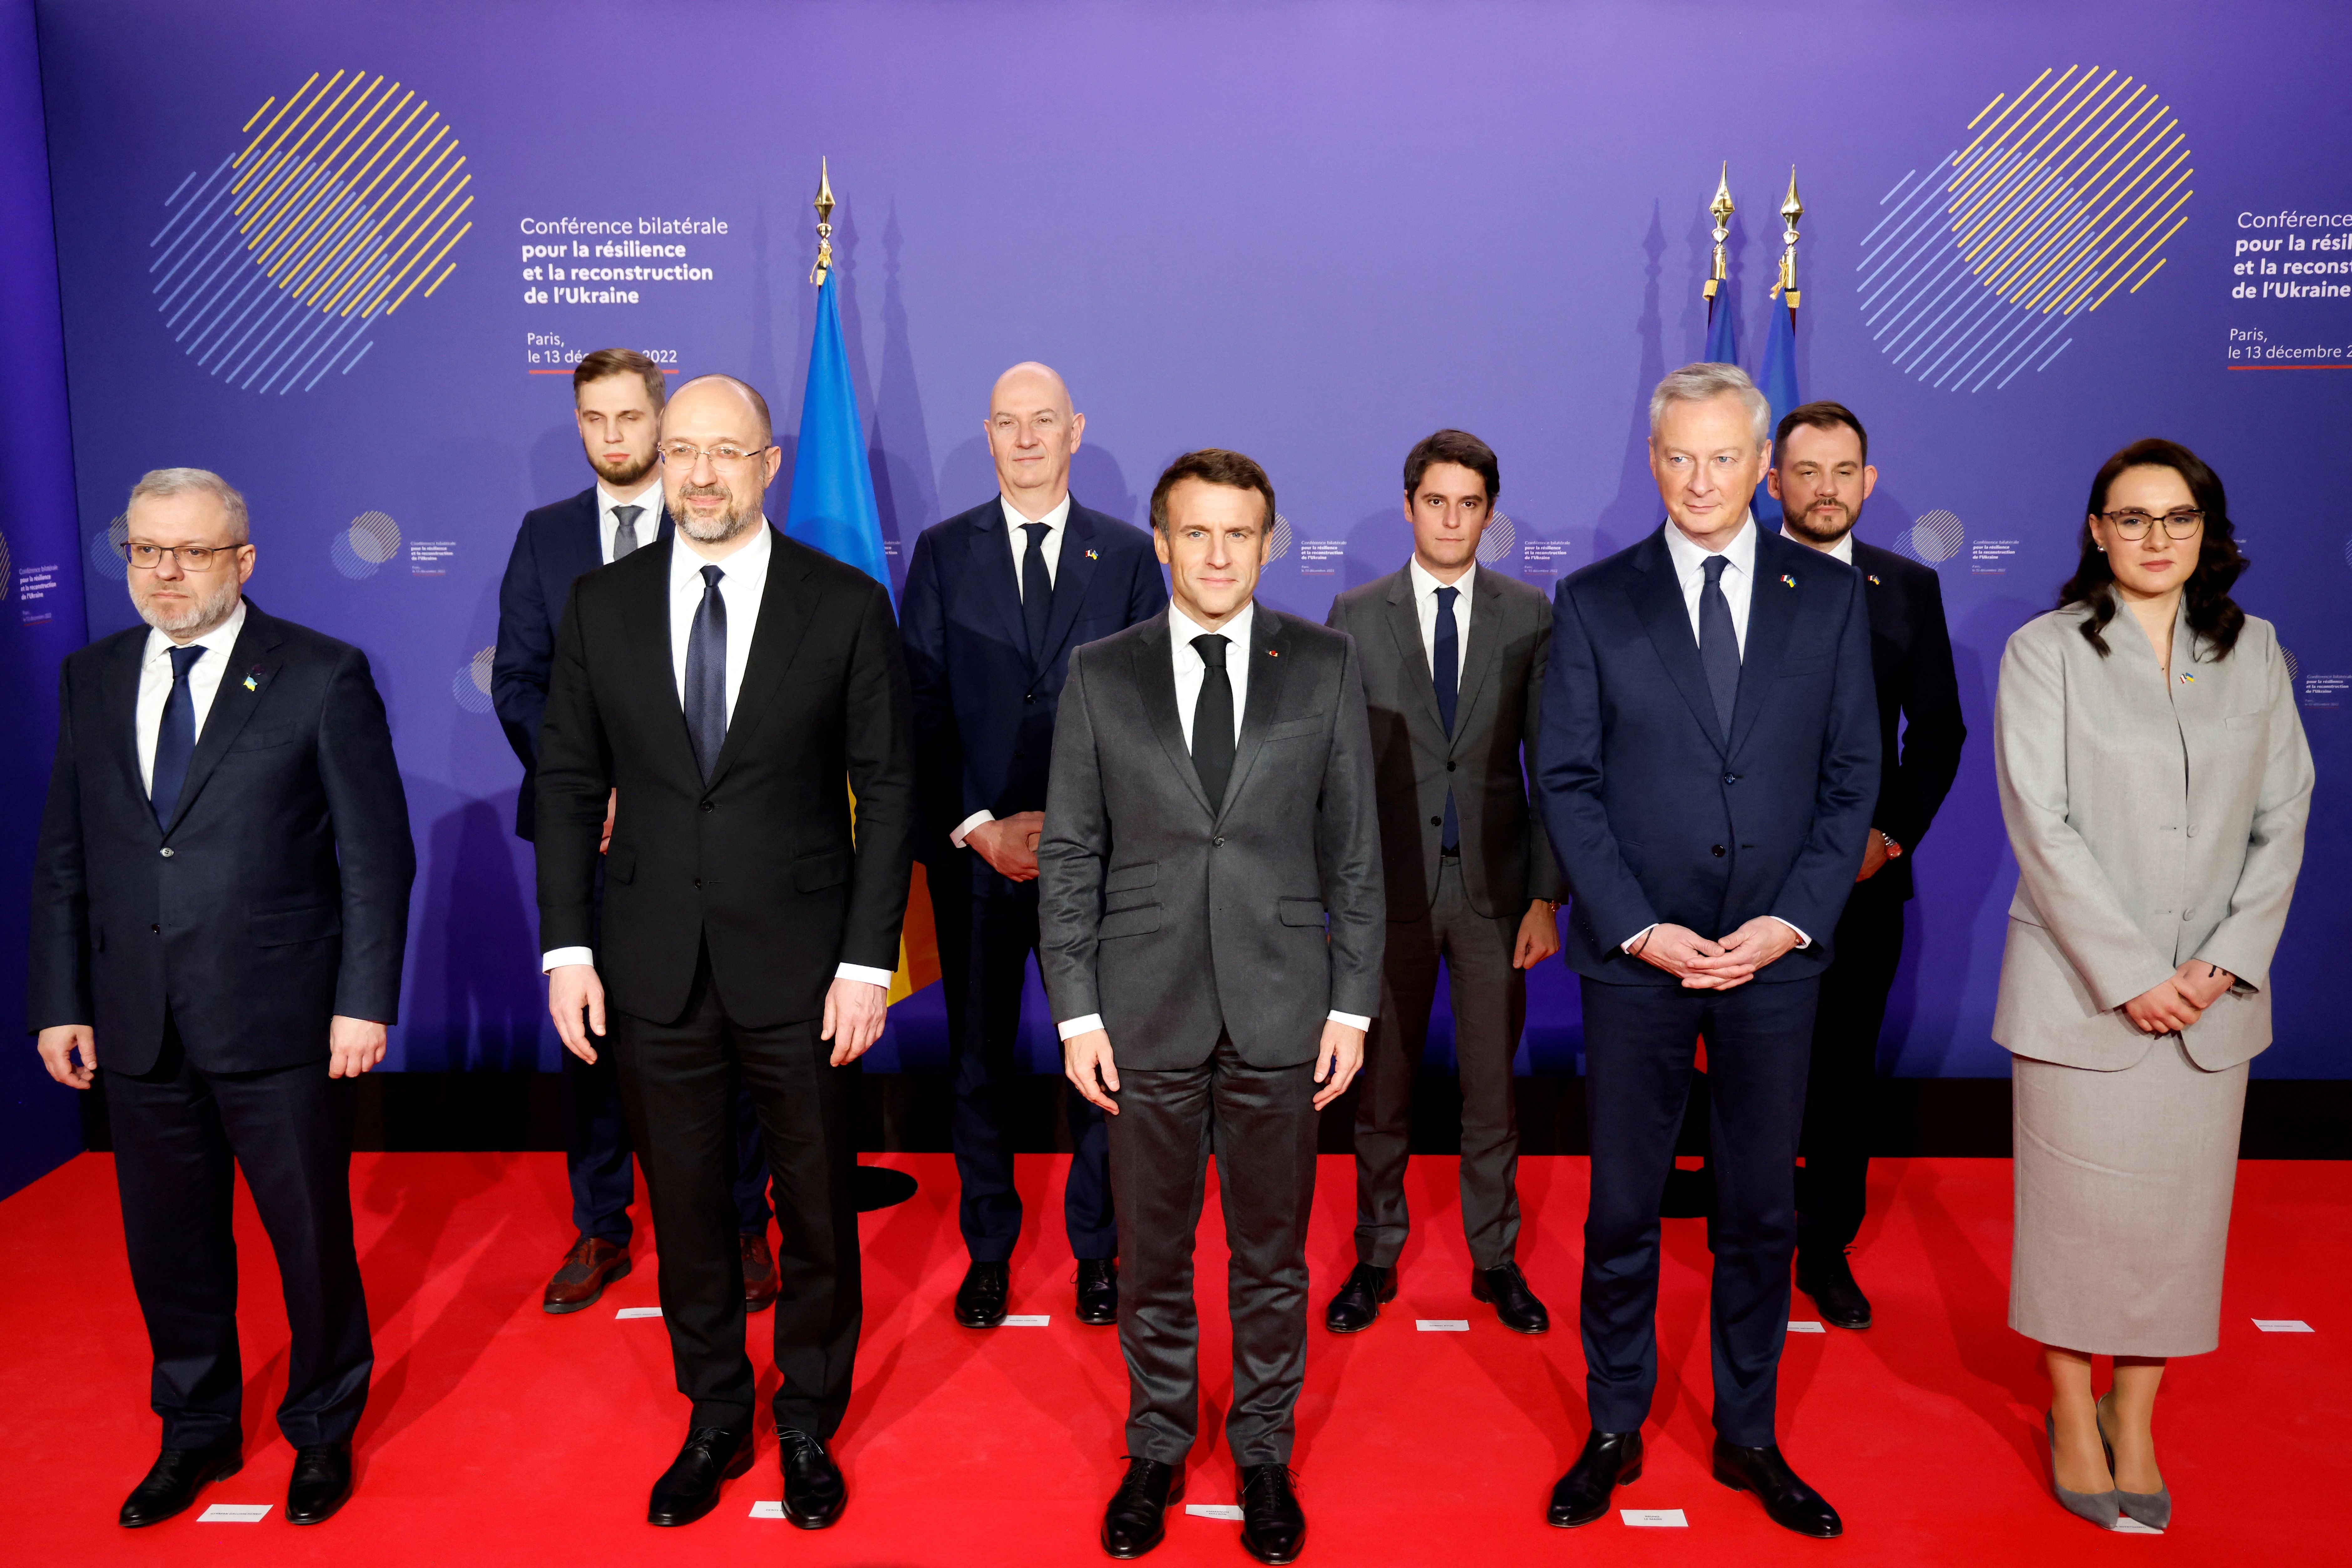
x=1874 y=580
x=1785 y=578
x=1274 y=653
x=1092 y=556
x=253 y=678
x=2187 y=679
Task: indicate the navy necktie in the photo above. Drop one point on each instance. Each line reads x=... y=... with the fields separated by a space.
x=1213 y=720
x=705 y=674
x=1036 y=590
x=1719 y=644
x=1446 y=668
x=624 y=530
x=175 y=738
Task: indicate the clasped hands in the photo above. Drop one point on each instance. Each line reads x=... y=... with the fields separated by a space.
x=2179 y=999
x=1086 y=1063
x=1008 y=844
x=1704 y=965
x=854 y=1012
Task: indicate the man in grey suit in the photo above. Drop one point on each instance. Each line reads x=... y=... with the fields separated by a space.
x=1210 y=926
x=1454 y=670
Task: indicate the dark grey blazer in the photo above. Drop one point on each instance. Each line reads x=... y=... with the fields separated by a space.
x=1505 y=858
x=1174 y=924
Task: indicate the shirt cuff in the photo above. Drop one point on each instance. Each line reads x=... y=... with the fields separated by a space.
x=558 y=957
x=1803 y=941
x=1631 y=942
x=881 y=977
x=1353 y=1020
x=963 y=828
x=1077 y=1027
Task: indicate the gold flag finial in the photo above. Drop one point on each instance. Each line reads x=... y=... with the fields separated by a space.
x=824 y=205
x=1791 y=209
x=1721 y=209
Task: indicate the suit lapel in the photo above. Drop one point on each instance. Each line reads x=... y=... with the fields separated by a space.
x=119 y=699
x=1155 y=684
x=989 y=560
x=249 y=660
x=1267 y=644
x=1480 y=654
x=1403 y=617
x=1658 y=600
x=654 y=671
x=1072 y=573
x=786 y=607
x=1772 y=600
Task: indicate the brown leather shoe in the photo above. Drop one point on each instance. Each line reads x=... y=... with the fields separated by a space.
x=758 y=1273
x=588 y=1267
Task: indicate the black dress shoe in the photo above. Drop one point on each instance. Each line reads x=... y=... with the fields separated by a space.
x=175 y=1477
x=1828 y=1279
x=321 y=1484
x=1098 y=1291
x=814 y=1493
x=1515 y=1305
x=1356 y=1306
x=689 y=1488
x=1274 y=1527
x=1134 y=1522
x=1790 y=1502
x=1610 y=1460
x=980 y=1299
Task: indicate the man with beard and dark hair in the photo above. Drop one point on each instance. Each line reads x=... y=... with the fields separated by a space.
x=617 y=396
x=739 y=691
x=220 y=901
x=1821 y=475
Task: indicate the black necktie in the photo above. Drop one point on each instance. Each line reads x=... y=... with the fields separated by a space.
x=175 y=738
x=624 y=531
x=1213 y=720
x=1036 y=590
x=1719 y=644
x=705 y=674
x=1446 y=667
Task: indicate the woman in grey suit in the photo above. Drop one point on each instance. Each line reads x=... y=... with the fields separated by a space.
x=2155 y=781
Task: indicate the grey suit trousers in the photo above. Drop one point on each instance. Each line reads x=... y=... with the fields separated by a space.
x=1490 y=1008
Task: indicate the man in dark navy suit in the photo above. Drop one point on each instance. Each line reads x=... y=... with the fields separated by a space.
x=617 y=397
x=996 y=600
x=220 y=902
x=1709 y=764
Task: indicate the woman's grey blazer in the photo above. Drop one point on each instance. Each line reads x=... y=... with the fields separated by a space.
x=2156 y=819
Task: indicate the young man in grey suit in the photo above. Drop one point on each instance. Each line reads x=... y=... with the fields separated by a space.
x=1210 y=925
x=1454 y=670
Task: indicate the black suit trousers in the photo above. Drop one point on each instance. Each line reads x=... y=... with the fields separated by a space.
x=678 y=1079
x=180 y=1135
x=1638 y=1055
x=1260 y=1124
x=987 y=929
x=1832 y=1189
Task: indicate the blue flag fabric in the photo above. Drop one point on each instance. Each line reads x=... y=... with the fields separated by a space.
x=1778 y=385
x=832 y=506
x=1722 y=335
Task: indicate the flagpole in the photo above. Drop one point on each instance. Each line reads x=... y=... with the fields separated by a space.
x=824 y=205
x=1791 y=209
x=1721 y=209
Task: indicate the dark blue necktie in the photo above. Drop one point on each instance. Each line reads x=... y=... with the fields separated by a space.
x=1036 y=590
x=1446 y=668
x=1212 y=719
x=175 y=738
x=1719 y=644
x=705 y=674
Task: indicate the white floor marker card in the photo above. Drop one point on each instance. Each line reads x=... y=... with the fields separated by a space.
x=1653 y=1518
x=1798 y=1326
x=639 y=1312
x=774 y=1508
x=2131 y=1526
x=1214 y=1511
x=1027 y=1320
x=235 y=1513
x=2283 y=1326
x=1442 y=1325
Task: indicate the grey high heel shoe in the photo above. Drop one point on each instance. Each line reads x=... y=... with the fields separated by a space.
x=2153 y=1509
x=2100 y=1508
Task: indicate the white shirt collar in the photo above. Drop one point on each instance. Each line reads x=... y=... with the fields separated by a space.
x=650 y=498
x=1182 y=628
x=1423 y=585
x=751 y=561
x=1690 y=559
x=219 y=641
x=1014 y=517
x=1842 y=551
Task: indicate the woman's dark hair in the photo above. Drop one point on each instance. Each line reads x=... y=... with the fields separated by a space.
x=2212 y=614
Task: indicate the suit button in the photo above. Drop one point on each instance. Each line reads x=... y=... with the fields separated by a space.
x=1434 y=822
x=1731 y=778
x=1717 y=851
x=2187 y=914
x=1449 y=767
x=1028 y=696
x=157 y=930
x=708 y=806
x=167 y=853
x=697 y=882
x=1217 y=843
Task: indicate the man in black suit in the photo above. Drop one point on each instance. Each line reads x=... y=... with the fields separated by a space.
x=1453 y=670
x=220 y=899
x=1710 y=764
x=1209 y=922
x=617 y=396
x=737 y=690
x=996 y=600
x=1820 y=475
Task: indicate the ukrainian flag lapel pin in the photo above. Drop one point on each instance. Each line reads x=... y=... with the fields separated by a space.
x=1785 y=578
x=1092 y=556
x=1874 y=580
x=253 y=678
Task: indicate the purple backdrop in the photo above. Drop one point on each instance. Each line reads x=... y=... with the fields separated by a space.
x=1312 y=232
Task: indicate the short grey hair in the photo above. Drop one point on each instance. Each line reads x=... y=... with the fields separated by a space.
x=160 y=482
x=1698 y=383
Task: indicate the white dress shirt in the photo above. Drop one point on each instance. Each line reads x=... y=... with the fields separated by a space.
x=1842 y=551
x=1424 y=607
x=1050 y=547
x=1190 y=673
x=1739 y=586
x=204 y=684
x=608 y=527
x=744 y=585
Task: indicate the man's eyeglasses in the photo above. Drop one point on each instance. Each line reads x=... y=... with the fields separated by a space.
x=190 y=557
x=686 y=453
x=2133 y=524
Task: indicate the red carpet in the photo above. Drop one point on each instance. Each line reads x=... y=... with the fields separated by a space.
x=497 y=1434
